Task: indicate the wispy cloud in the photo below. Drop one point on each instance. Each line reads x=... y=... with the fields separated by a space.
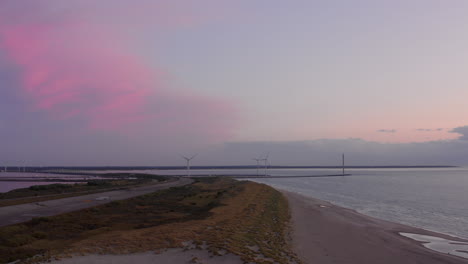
x=429 y=129
x=387 y=130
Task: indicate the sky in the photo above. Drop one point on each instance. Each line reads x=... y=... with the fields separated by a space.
x=117 y=82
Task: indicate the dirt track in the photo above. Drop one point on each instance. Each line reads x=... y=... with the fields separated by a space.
x=21 y=213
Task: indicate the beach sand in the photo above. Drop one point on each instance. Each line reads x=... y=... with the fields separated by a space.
x=323 y=233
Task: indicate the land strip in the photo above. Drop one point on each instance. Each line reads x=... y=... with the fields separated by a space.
x=68 y=190
x=290 y=176
x=105 y=182
x=256 y=176
x=242 y=221
x=25 y=212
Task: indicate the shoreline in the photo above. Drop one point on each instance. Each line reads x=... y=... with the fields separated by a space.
x=319 y=232
x=326 y=233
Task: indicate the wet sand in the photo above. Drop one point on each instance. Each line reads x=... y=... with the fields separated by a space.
x=324 y=233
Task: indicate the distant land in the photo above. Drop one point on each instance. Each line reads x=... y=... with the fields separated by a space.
x=54 y=168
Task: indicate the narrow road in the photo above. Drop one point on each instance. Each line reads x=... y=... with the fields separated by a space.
x=24 y=212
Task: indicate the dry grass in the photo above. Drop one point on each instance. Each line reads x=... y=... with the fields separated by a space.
x=244 y=218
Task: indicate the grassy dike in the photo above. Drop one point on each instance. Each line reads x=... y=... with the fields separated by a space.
x=219 y=215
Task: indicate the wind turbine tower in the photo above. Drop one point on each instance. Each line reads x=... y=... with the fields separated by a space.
x=188 y=163
x=343 y=163
x=266 y=163
x=258 y=163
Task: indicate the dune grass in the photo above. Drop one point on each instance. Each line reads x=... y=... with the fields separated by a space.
x=221 y=215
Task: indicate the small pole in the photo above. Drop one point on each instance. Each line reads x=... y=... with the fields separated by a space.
x=343 y=164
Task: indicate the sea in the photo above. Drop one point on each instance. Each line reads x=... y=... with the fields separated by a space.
x=434 y=199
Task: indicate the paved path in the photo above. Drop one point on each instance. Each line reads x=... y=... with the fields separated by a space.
x=24 y=212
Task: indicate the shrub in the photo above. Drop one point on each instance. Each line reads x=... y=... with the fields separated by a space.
x=39 y=235
x=98 y=183
x=19 y=240
x=38 y=220
x=56 y=186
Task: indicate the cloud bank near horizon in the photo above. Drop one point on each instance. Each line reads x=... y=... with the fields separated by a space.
x=462 y=131
x=327 y=152
x=320 y=152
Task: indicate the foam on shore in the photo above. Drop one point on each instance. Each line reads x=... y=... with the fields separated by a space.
x=442 y=245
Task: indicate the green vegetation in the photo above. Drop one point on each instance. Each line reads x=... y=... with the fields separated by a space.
x=54 y=187
x=39 y=193
x=243 y=218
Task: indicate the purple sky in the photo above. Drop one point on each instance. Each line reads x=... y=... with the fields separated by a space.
x=139 y=82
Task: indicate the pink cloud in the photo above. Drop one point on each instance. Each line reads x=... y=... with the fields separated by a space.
x=77 y=68
x=72 y=72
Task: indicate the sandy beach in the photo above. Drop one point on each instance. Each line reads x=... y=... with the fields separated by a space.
x=324 y=233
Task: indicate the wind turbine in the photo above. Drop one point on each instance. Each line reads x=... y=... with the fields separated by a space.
x=188 y=163
x=266 y=163
x=343 y=164
x=258 y=163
